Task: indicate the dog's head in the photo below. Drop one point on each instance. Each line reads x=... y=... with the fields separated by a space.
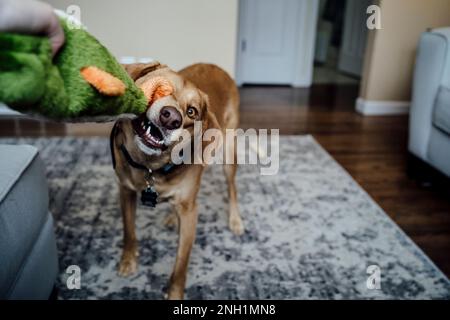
x=174 y=104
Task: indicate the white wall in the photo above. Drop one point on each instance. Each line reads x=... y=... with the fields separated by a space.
x=391 y=51
x=175 y=32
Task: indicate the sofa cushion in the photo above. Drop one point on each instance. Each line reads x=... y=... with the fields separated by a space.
x=441 y=114
x=37 y=276
x=23 y=208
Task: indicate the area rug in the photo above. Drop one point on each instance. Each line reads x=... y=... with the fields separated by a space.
x=311 y=232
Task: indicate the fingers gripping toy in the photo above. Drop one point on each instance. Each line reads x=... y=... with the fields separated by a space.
x=83 y=81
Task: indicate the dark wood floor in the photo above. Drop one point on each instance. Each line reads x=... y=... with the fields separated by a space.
x=372 y=149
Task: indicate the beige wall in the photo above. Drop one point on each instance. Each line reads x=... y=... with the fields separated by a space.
x=175 y=32
x=391 y=51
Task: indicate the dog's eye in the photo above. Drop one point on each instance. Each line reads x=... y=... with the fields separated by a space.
x=191 y=112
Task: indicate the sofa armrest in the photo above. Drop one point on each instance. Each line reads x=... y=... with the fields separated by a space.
x=429 y=71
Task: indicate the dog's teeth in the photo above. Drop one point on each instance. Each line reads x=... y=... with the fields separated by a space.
x=148 y=131
x=155 y=141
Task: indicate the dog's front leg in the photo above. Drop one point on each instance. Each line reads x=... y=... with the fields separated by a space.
x=187 y=215
x=128 y=262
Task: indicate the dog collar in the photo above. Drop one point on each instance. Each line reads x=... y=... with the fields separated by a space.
x=165 y=169
x=149 y=196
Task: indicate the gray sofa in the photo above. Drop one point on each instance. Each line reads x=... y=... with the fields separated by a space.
x=429 y=125
x=28 y=256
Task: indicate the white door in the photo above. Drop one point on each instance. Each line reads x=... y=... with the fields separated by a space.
x=268 y=41
x=351 y=55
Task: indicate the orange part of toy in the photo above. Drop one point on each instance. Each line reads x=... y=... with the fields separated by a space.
x=103 y=81
x=156 y=88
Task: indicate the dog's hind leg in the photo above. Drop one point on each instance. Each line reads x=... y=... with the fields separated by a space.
x=128 y=262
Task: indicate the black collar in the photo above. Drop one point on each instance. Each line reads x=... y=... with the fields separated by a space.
x=130 y=160
x=166 y=169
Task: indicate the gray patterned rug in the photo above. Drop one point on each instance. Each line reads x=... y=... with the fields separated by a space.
x=311 y=232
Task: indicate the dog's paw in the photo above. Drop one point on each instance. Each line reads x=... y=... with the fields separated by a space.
x=127 y=265
x=174 y=294
x=171 y=221
x=236 y=225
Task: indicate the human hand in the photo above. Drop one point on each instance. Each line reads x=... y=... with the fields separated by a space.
x=31 y=17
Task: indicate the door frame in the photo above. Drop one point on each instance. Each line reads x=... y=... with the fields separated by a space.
x=353 y=39
x=307 y=24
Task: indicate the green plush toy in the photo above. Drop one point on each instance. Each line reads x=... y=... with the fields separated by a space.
x=83 y=81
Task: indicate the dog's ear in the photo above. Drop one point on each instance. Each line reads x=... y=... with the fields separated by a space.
x=138 y=70
x=209 y=118
x=156 y=88
x=210 y=122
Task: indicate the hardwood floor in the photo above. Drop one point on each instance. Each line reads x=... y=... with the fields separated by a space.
x=372 y=149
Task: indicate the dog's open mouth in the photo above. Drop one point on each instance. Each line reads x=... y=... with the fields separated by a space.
x=149 y=133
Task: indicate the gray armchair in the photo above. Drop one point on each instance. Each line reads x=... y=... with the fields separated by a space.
x=429 y=125
x=28 y=256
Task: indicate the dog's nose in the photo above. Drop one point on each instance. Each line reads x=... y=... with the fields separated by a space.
x=170 y=118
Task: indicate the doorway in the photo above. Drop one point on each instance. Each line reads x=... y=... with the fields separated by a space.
x=340 y=41
x=276 y=42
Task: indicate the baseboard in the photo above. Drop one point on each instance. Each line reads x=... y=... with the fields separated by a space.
x=379 y=108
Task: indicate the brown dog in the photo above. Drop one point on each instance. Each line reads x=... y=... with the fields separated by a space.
x=201 y=92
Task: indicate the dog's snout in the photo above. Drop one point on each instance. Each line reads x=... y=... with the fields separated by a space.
x=170 y=118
